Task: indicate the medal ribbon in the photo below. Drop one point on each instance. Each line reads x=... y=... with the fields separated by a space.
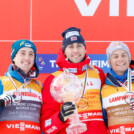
x=85 y=80
x=12 y=81
x=82 y=96
x=129 y=81
x=82 y=99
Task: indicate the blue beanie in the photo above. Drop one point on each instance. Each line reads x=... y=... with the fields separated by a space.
x=72 y=35
x=20 y=44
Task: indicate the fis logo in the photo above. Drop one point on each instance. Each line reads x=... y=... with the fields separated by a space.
x=41 y=63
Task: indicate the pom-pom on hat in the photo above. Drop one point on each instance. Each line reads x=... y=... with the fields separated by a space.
x=72 y=35
x=17 y=45
x=116 y=45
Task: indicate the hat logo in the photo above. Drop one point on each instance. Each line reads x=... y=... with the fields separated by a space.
x=117 y=44
x=72 y=33
x=73 y=38
x=22 y=43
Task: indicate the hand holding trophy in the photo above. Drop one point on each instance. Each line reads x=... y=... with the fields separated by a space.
x=66 y=88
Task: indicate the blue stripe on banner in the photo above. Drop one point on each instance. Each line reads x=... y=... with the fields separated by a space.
x=47 y=62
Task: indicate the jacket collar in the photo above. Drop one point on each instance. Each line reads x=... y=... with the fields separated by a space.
x=115 y=81
x=76 y=68
x=111 y=80
x=17 y=74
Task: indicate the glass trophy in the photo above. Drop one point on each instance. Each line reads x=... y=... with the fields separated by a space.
x=67 y=87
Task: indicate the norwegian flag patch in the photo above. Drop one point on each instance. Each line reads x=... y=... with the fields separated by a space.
x=47 y=123
x=73 y=38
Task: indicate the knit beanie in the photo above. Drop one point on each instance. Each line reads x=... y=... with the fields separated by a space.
x=116 y=45
x=17 y=45
x=72 y=35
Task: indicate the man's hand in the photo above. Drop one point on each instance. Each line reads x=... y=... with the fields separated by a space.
x=67 y=109
x=5 y=99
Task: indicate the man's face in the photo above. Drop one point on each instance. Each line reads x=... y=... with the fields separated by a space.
x=119 y=61
x=24 y=59
x=75 y=52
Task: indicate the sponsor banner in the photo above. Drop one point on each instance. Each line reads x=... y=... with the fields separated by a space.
x=19 y=127
x=117 y=99
x=100 y=20
x=47 y=62
x=26 y=94
x=122 y=129
x=91 y=115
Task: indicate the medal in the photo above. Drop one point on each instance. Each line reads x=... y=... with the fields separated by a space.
x=17 y=96
x=82 y=103
x=128 y=86
x=128 y=96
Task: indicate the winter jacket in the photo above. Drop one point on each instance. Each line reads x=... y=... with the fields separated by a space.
x=116 y=102
x=23 y=117
x=92 y=116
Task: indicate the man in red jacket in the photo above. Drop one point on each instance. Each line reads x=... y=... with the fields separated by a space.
x=73 y=57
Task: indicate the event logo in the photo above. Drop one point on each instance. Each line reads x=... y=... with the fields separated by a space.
x=89 y=10
x=50 y=66
x=40 y=62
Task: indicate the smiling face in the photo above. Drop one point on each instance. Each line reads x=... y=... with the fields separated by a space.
x=75 y=52
x=24 y=59
x=119 y=61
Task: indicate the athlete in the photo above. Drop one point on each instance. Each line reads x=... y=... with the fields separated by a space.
x=118 y=92
x=20 y=92
x=73 y=58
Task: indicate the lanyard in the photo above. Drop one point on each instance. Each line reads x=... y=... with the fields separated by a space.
x=12 y=81
x=85 y=80
x=129 y=81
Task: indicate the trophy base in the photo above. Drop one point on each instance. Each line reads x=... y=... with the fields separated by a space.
x=76 y=128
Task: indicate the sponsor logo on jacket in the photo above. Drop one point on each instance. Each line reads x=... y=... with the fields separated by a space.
x=22 y=126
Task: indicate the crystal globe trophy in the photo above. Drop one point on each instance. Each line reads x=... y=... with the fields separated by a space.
x=67 y=87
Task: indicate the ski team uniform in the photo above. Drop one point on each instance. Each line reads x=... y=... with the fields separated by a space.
x=116 y=103
x=23 y=117
x=92 y=116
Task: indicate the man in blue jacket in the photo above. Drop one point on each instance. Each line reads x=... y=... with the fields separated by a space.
x=20 y=99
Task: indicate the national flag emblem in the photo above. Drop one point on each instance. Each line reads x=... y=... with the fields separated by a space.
x=73 y=38
x=47 y=123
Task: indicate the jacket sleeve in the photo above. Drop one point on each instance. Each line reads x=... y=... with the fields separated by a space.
x=101 y=74
x=103 y=78
x=50 y=122
x=1 y=87
x=1 y=92
x=104 y=112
